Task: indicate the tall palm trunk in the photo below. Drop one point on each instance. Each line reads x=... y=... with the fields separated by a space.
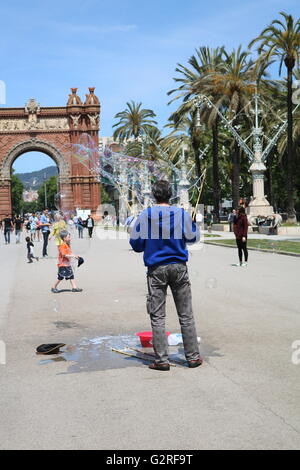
x=216 y=178
x=269 y=180
x=236 y=163
x=290 y=169
x=236 y=167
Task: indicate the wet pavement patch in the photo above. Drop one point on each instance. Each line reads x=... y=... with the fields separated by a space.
x=115 y=352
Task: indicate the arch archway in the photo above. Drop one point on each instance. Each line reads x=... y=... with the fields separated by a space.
x=52 y=131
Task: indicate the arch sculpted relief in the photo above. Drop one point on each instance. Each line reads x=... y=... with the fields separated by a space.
x=46 y=124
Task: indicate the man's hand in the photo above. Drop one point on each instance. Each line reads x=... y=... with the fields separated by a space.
x=243 y=239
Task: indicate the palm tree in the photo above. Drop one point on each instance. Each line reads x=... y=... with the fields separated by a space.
x=281 y=40
x=204 y=63
x=133 y=121
x=233 y=86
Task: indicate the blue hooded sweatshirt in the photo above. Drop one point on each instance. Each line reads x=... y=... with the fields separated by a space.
x=161 y=232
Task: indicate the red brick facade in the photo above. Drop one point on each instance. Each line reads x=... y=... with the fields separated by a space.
x=52 y=131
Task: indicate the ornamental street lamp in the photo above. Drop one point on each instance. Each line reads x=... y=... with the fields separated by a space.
x=259 y=204
x=184 y=184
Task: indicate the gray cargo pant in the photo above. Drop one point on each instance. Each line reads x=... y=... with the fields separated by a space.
x=159 y=278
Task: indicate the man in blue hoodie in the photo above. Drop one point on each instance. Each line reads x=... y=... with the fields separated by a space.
x=161 y=232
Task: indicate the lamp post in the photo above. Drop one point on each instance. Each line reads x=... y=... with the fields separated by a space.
x=183 y=183
x=45 y=183
x=259 y=204
x=146 y=190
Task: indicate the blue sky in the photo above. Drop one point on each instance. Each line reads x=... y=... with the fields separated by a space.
x=127 y=49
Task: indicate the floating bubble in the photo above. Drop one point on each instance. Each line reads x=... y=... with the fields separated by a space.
x=211 y=283
x=194 y=273
x=56 y=306
x=273 y=247
x=123 y=172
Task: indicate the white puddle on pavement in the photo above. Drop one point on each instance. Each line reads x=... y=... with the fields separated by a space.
x=114 y=352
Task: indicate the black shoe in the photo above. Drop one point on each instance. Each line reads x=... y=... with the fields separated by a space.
x=163 y=366
x=54 y=290
x=76 y=289
x=195 y=362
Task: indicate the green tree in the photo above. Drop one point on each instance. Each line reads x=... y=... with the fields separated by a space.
x=51 y=192
x=133 y=121
x=192 y=82
x=17 y=189
x=281 y=40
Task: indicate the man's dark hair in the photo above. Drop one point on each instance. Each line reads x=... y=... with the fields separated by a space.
x=162 y=191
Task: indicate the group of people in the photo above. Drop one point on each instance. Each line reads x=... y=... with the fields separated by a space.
x=38 y=226
x=164 y=256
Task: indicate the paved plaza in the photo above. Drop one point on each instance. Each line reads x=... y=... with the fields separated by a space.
x=244 y=396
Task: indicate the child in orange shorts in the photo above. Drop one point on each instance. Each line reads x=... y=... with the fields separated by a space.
x=65 y=270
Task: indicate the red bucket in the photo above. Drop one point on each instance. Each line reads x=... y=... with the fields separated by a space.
x=146 y=338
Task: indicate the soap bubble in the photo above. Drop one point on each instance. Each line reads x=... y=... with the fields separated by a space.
x=194 y=273
x=59 y=200
x=56 y=305
x=273 y=246
x=211 y=283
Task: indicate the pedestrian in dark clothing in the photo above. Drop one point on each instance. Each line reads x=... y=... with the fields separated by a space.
x=18 y=227
x=240 y=229
x=30 y=254
x=231 y=219
x=80 y=227
x=45 y=227
x=161 y=232
x=90 y=225
x=7 y=224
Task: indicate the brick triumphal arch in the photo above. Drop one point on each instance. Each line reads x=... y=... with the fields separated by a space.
x=54 y=131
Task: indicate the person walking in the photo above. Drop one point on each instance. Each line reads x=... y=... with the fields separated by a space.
x=199 y=219
x=58 y=225
x=30 y=254
x=65 y=255
x=231 y=219
x=162 y=232
x=18 y=222
x=7 y=225
x=240 y=229
x=90 y=225
x=33 y=226
x=80 y=227
x=45 y=227
x=38 y=228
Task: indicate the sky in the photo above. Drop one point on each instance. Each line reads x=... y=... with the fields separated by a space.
x=127 y=49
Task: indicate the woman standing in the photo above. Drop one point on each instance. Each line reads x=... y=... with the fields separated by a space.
x=240 y=229
x=59 y=225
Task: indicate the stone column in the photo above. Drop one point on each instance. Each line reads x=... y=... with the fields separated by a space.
x=123 y=196
x=146 y=190
x=258 y=204
x=183 y=185
x=5 y=198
